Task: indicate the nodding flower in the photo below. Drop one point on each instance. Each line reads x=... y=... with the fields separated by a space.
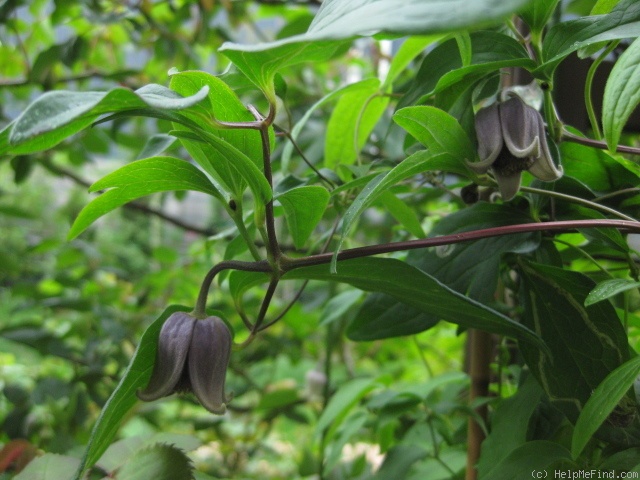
x=511 y=139
x=193 y=356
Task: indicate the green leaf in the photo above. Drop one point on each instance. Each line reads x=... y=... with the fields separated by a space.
x=621 y=94
x=403 y=213
x=537 y=456
x=158 y=462
x=596 y=168
x=224 y=161
x=464 y=47
x=338 y=20
x=222 y=104
x=119 y=452
x=303 y=209
x=408 y=51
x=419 y=290
x=137 y=179
x=295 y=131
x=156 y=145
x=351 y=123
x=538 y=13
x=447 y=147
x=588 y=342
x=439 y=132
x=382 y=316
x=567 y=37
x=241 y=281
x=472 y=268
x=261 y=62
x=339 y=305
x=342 y=402
x=399 y=460
x=603 y=6
x=50 y=466
x=442 y=67
x=510 y=425
x=123 y=398
x=609 y=288
x=602 y=402
x=344 y=19
x=57 y=115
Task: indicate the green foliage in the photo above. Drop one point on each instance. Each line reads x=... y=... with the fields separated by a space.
x=318 y=196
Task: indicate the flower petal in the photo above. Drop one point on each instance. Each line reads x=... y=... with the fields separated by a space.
x=208 y=360
x=544 y=168
x=508 y=184
x=520 y=128
x=487 y=123
x=173 y=346
x=489 y=134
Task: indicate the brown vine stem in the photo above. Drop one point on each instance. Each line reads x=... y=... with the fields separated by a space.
x=589 y=142
x=201 y=303
x=559 y=226
x=288 y=264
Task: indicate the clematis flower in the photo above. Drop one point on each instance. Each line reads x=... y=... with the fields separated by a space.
x=511 y=139
x=192 y=356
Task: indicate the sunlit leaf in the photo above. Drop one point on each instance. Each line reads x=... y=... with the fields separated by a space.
x=609 y=288
x=59 y=114
x=351 y=123
x=303 y=209
x=567 y=37
x=137 y=179
x=621 y=94
x=339 y=19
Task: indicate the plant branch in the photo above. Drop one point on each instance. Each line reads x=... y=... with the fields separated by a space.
x=559 y=226
x=201 y=303
x=589 y=142
x=273 y=249
x=266 y=301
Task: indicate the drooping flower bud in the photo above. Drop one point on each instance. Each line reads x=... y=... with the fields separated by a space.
x=511 y=139
x=192 y=356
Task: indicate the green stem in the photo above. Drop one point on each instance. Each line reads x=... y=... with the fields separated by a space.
x=585 y=255
x=238 y=219
x=588 y=101
x=553 y=123
x=578 y=200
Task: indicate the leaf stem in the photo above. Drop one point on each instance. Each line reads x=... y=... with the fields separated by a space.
x=588 y=101
x=578 y=200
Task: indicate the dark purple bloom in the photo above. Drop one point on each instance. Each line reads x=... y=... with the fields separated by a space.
x=511 y=139
x=192 y=356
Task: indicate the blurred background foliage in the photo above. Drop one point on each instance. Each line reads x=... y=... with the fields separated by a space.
x=71 y=312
